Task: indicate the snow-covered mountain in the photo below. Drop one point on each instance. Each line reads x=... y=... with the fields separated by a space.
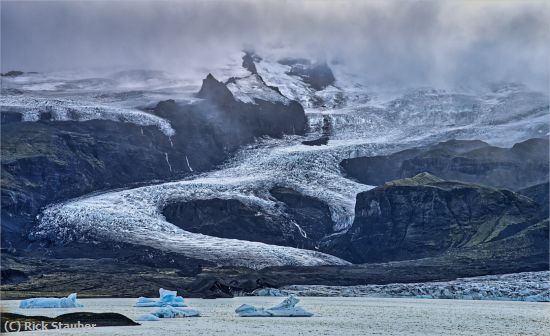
x=363 y=121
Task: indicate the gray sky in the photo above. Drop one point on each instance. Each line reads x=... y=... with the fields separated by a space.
x=413 y=42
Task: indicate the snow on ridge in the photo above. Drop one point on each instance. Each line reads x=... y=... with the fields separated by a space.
x=62 y=109
x=293 y=87
x=247 y=89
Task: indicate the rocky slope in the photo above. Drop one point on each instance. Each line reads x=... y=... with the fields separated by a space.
x=523 y=165
x=425 y=216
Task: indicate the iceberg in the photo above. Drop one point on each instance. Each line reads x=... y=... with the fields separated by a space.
x=68 y=302
x=147 y=317
x=166 y=298
x=287 y=308
x=171 y=312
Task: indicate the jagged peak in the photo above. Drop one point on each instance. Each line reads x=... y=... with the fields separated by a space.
x=214 y=90
x=248 y=62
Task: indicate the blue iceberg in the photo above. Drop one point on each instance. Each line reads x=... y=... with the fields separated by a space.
x=166 y=298
x=171 y=312
x=68 y=302
x=287 y=308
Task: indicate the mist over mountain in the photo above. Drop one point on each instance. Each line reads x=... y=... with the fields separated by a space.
x=397 y=43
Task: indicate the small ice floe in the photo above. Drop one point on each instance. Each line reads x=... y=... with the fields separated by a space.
x=68 y=302
x=147 y=317
x=171 y=312
x=269 y=292
x=287 y=308
x=166 y=298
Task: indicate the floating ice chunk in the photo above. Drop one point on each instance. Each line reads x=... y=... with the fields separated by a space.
x=287 y=308
x=147 y=317
x=171 y=312
x=143 y=299
x=247 y=310
x=68 y=302
x=166 y=298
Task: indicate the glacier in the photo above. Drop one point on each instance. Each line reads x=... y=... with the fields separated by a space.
x=527 y=286
x=287 y=308
x=68 y=302
x=365 y=121
x=66 y=109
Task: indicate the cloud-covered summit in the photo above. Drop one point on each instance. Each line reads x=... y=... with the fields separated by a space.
x=423 y=42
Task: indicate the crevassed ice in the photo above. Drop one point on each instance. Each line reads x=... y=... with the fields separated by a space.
x=62 y=109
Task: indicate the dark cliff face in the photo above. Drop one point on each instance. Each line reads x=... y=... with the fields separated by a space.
x=425 y=216
x=523 y=165
x=44 y=162
x=538 y=193
x=49 y=161
x=302 y=223
x=248 y=62
x=13 y=73
x=229 y=218
x=312 y=215
x=215 y=91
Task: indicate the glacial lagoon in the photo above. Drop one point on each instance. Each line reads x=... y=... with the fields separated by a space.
x=332 y=316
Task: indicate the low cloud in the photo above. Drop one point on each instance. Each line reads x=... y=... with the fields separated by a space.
x=442 y=43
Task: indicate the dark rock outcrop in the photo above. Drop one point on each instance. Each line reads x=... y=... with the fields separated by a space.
x=317 y=75
x=302 y=222
x=425 y=216
x=248 y=63
x=44 y=162
x=312 y=215
x=77 y=320
x=215 y=91
x=326 y=130
x=539 y=194
x=316 y=142
x=7 y=117
x=523 y=165
x=229 y=218
x=13 y=73
x=290 y=61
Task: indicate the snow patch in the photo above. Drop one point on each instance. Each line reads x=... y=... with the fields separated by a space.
x=248 y=89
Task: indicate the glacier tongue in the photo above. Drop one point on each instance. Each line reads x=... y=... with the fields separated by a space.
x=65 y=109
x=528 y=286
